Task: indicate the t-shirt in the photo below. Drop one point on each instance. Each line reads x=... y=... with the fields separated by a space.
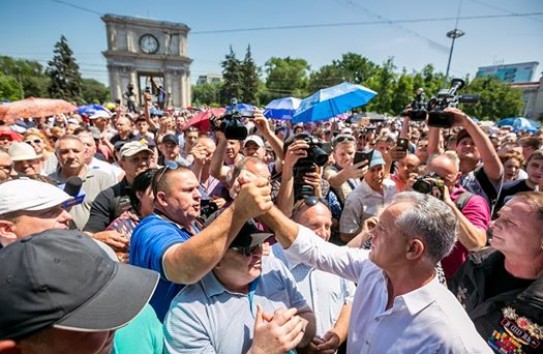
x=153 y=236
x=142 y=335
x=108 y=206
x=477 y=182
x=477 y=212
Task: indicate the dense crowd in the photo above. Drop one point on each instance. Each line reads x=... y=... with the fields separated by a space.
x=138 y=233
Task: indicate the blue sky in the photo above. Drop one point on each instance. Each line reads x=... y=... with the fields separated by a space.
x=495 y=33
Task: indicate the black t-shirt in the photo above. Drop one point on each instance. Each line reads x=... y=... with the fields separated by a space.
x=501 y=281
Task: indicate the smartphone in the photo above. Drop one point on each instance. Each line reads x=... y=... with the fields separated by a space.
x=402 y=144
x=360 y=156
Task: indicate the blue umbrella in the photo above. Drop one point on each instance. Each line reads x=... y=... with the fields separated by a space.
x=331 y=101
x=520 y=124
x=90 y=109
x=282 y=108
x=156 y=112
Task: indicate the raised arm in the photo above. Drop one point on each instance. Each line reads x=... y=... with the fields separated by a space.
x=188 y=262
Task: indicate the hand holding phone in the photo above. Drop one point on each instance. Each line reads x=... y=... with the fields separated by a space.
x=360 y=156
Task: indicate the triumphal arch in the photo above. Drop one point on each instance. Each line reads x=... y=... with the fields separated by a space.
x=149 y=55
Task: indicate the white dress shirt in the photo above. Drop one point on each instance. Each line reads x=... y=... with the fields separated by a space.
x=426 y=320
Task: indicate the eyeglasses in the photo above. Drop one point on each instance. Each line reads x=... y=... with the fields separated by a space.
x=342 y=139
x=246 y=251
x=35 y=141
x=168 y=165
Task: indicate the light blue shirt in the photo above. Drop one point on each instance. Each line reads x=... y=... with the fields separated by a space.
x=426 y=320
x=325 y=292
x=207 y=318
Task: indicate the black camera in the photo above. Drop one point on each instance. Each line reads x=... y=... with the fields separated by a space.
x=207 y=207
x=447 y=98
x=317 y=155
x=430 y=183
x=230 y=123
x=418 y=110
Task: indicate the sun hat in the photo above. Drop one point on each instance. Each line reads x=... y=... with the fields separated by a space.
x=30 y=195
x=22 y=152
x=62 y=278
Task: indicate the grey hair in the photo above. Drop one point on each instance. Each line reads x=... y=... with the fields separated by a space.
x=449 y=155
x=430 y=220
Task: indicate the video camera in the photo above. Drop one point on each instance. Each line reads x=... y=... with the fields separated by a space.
x=430 y=183
x=418 y=107
x=317 y=155
x=230 y=123
x=447 y=98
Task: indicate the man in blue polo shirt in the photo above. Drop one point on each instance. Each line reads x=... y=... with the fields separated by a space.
x=170 y=242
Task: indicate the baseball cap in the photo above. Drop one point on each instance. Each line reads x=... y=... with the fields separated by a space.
x=30 y=195
x=171 y=138
x=62 y=278
x=249 y=235
x=22 y=152
x=376 y=159
x=100 y=114
x=133 y=147
x=255 y=139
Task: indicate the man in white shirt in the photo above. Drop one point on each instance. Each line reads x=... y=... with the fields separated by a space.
x=399 y=305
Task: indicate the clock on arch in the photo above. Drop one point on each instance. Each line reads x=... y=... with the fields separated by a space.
x=148 y=44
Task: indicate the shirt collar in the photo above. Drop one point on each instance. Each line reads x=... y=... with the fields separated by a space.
x=417 y=300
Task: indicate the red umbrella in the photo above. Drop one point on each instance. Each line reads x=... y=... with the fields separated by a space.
x=34 y=107
x=201 y=120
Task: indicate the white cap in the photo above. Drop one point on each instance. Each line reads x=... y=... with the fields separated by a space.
x=255 y=139
x=133 y=147
x=22 y=152
x=100 y=114
x=28 y=194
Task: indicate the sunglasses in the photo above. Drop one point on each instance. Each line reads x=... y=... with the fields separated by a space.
x=35 y=141
x=246 y=251
x=343 y=138
x=157 y=179
x=309 y=201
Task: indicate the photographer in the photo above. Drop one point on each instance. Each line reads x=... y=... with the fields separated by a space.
x=372 y=194
x=482 y=171
x=471 y=210
x=344 y=176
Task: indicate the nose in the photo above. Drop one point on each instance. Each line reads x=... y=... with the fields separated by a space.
x=64 y=217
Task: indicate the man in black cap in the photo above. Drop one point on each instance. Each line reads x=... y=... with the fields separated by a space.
x=247 y=296
x=62 y=294
x=171 y=151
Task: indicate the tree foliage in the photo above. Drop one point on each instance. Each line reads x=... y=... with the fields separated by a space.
x=93 y=91
x=286 y=77
x=64 y=73
x=206 y=94
x=232 y=76
x=249 y=79
x=497 y=99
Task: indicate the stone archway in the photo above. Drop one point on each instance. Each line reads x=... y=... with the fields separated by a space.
x=147 y=48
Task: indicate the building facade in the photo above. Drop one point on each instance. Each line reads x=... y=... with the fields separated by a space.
x=513 y=73
x=146 y=54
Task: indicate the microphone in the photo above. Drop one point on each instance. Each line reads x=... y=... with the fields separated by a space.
x=72 y=187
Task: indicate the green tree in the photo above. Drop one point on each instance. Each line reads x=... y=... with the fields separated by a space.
x=286 y=77
x=28 y=73
x=232 y=75
x=384 y=83
x=10 y=89
x=356 y=68
x=497 y=99
x=206 y=93
x=403 y=92
x=94 y=91
x=64 y=73
x=326 y=76
x=250 y=79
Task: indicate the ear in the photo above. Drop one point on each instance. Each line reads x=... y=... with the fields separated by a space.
x=160 y=199
x=415 y=249
x=7 y=232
